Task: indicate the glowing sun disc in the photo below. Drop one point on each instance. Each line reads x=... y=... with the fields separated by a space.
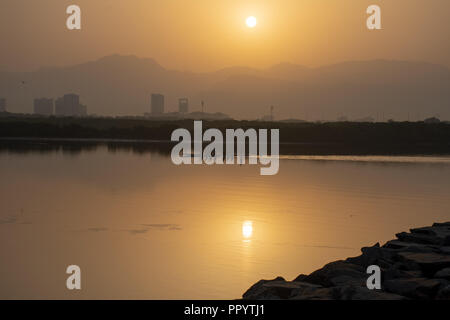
x=251 y=22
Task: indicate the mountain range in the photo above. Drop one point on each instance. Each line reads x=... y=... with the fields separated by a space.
x=122 y=85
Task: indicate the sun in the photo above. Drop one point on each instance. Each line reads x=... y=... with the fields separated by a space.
x=251 y=22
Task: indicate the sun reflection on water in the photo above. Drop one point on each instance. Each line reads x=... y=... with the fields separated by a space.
x=247 y=230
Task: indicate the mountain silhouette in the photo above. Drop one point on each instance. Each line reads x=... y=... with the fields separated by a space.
x=122 y=85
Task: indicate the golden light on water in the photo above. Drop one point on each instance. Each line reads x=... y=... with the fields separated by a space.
x=251 y=22
x=247 y=229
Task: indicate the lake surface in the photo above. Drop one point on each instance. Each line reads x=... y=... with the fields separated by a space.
x=140 y=227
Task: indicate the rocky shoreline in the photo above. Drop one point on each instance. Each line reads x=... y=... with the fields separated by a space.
x=416 y=265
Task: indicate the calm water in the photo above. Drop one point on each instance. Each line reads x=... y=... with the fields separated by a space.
x=141 y=228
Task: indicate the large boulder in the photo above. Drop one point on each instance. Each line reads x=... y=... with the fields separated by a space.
x=338 y=273
x=443 y=293
x=441 y=224
x=350 y=292
x=443 y=274
x=319 y=293
x=277 y=289
x=374 y=255
x=429 y=263
x=258 y=290
x=416 y=288
x=410 y=246
x=400 y=271
x=418 y=238
x=438 y=234
x=441 y=233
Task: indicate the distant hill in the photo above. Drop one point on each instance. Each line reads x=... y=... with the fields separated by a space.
x=121 y=85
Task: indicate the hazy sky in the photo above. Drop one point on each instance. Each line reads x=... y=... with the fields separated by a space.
x=203 y=35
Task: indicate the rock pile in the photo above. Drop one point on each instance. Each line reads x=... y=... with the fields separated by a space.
x=414 y=266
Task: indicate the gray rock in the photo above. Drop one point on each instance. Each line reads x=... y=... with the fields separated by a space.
x=417 y=288
x=346 y=292
x=444 y=250
x=338 y=273
x=277 y=289
x=305 y=289
x=442 y=233
x=410 y=246
x=399 y=271
x=441 y=224
x=418 y=238
x=443 y=293
x=361 y=293
x=300 y=277
x=382 y=257
x=258 y=290
x=317 y=294
x=437 y=231
x=429 y=263
x=443 y=274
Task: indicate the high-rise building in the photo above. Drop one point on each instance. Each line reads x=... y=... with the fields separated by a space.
x=69 y=106
x=59 y=107
x=71 y=103
x=183 y=105
x=43 y=106
x=2 y=105
x=157 y=102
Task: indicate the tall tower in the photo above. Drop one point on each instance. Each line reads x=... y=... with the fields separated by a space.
x=183 y=105
x=157 y=104
x=71 y=103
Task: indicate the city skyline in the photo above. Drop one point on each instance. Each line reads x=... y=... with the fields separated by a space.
x=119 y=85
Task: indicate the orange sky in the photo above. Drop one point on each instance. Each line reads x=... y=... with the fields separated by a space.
x=204 y=35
